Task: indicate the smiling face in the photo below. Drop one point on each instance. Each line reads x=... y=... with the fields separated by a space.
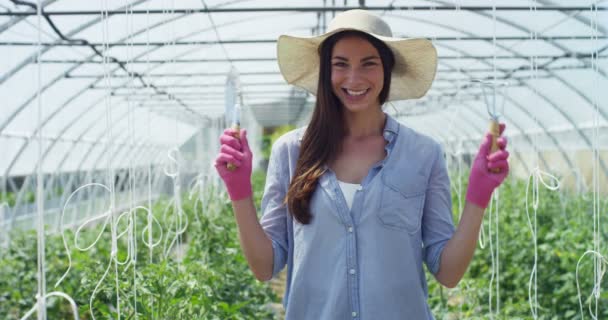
x=357 y=76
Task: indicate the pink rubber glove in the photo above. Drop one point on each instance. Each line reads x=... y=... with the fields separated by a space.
x=237 y=152
x=482 y=181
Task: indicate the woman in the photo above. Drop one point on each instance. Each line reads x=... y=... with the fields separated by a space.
x=355 y=202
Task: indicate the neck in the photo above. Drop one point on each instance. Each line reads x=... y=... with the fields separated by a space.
x=365 y=124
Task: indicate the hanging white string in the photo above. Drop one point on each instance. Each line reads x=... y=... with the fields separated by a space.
x=111 y=175
x=148 y=231
x=149 y=126
x=534 y=77
x=599 y=260
x=595 y=293
x=598 y=269
x=456 y=150
x=4 y=225
x=534 y=176
x=537 y=178
x=106 y=214
x=459 y=149
x=56 y=294
x=146 y=236
x=178 y=220
x=114 y=224
x=482 y=234
x=459 y=189
x=149 y=243
x=132 y=230
x=493 y=212
x=493 y=220
x=40 y=306
x=40 y=296
x=496 y=197
x=171 y=169
x=196 y=188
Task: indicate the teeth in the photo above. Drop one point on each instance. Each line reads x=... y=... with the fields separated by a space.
x=356 y=93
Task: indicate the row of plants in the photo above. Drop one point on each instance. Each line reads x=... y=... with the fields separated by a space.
x=210 y=278
x=202 y=276
x=10 y=198
x=564 y=234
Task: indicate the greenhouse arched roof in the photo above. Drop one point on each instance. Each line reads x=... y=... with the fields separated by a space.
x=163 y=64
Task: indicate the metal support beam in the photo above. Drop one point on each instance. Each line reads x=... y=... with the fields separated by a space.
x=58 y=138
x=210 y=85
x=170 y=75
x=154 y=61
x=34 y=56
x=277 y=73
x=191 y=95
x=273 y=41
x=567 y=55
x=15 y=20
x=300 y=9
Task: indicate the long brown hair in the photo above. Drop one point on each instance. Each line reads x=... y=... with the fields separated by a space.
x=322 y=140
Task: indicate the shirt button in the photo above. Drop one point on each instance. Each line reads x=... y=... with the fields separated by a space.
x=359 y=188
x=354 y=314
x=352 y=271
x=350 y=229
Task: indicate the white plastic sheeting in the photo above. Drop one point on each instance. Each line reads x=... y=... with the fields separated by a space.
x=164 y=77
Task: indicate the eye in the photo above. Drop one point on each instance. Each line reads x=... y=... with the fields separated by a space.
x=370 y=63
x=339 y=64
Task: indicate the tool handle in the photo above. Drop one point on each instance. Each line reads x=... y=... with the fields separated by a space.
x=237 y=134
x=495 y=131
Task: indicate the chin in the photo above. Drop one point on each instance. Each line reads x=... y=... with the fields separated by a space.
x=359 y=107
x=356 y=109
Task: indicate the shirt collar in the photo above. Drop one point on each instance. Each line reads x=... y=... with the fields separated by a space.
x=391 y=128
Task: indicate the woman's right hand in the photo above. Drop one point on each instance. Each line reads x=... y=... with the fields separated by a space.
x=237 y=152
x=482 y=181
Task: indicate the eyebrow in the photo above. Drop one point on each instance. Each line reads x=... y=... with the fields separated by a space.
x=364 y=59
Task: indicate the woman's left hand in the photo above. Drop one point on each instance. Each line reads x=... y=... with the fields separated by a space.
x=483 y=180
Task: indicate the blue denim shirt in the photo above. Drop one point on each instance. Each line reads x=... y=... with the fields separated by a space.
x=364 y=263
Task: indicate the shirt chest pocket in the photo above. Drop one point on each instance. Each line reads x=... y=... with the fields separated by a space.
x=402 y=201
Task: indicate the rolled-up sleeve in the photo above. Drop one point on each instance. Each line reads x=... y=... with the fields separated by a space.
x=437 y=223
x=274 y=211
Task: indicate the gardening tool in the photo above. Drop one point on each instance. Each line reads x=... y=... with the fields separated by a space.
x=234 y=100
x=493 y=112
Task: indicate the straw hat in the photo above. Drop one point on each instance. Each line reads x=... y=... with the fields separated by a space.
x=415 y=59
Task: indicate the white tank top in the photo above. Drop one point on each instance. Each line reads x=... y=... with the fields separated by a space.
x=348 y=190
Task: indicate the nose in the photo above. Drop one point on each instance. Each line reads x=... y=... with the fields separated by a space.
x=353 y=76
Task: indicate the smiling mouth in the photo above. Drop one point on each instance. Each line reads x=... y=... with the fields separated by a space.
x=355 y=93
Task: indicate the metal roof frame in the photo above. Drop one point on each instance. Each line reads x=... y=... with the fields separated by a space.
x=120 y=100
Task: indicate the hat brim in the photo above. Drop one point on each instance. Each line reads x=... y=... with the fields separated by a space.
x=412 y=75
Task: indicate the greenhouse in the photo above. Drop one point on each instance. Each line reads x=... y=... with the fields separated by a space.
x=121 y=157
